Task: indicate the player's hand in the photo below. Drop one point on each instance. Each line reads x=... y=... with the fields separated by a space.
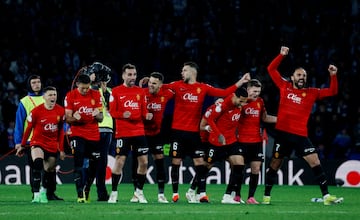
x=92 y=77
x=244 y=79
x=77 y=115
x=126 y=114
x=221 y=139
x=149 y=116
x=62 y=155
x=219 y=101
x=95 y=112
x=208 y=128
x=19 y=150
x=284 y=51
x=143 y=81
x=332 y=69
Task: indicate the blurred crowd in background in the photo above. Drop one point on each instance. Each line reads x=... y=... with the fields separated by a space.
x=227 y=38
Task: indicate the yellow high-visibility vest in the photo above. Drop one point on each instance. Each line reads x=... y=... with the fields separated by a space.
x=107 y=120
x=29 y=103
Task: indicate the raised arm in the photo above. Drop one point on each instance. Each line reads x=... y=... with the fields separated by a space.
x=333 y=88
x=273 y=66
x=225 y=92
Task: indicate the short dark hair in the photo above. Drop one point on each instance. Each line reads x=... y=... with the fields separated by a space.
x=157 y=75
x=193 y=65
x=241 y=92
x=128 y=66
x=83 y=78
x=254 y=82
x=49 y=88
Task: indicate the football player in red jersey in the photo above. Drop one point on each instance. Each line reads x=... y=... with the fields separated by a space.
x=295 y=105
x=128 y=108
x=45 y=122
x=185 y=141
x=157 y=98
x=220 y=121
x=250 y=135
x=83 y=112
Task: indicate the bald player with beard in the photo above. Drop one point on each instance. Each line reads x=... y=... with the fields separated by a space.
x=296 y=102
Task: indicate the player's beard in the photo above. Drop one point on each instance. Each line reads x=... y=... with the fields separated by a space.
x=300 y=86
x=130 y=83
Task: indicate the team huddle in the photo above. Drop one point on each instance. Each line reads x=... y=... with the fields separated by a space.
x=229 y=130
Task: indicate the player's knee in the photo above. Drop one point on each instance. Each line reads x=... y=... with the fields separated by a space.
x=275 y=164
x=143 y=167
x=239 y=169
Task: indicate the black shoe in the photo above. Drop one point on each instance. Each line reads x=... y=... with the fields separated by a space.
x=54 y=197
x=103 y=198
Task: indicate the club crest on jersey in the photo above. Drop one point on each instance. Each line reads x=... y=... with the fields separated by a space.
x=58 y=118
x=92 y=101
x=303 y=94
x=198 y=90
x=162 y=98
x=258 y=104
x=138 y=97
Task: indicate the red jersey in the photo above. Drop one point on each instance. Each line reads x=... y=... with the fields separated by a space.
x=204 y=136
x=47 y=127
x=249 y=124
x=189 y=99
x=156 y=104
x=130 y=99
x=296 y=104
x=223 y=118
x=87 y=127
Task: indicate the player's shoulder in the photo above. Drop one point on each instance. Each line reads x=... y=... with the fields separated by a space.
x=165 y=91
x=71 y=93
x=59 y=107
x=259 y=99
x=115 y=89
x=176 y=82
x=94 y=93
x=204 y=85
x=38 y=108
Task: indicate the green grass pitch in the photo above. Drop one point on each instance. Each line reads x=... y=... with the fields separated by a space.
x=288 y=202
